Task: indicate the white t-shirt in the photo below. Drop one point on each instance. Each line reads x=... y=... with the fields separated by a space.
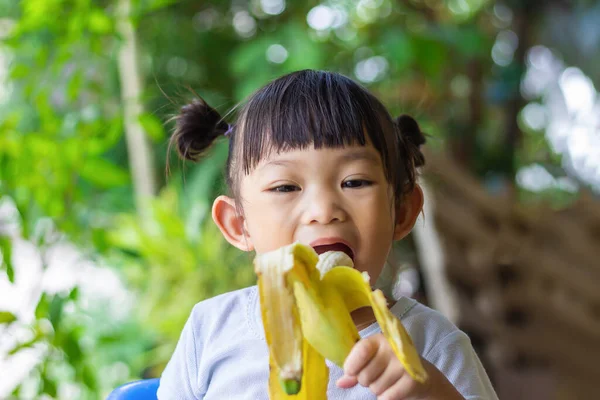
x=222 y=352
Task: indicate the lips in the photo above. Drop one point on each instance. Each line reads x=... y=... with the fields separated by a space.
x=332 y=244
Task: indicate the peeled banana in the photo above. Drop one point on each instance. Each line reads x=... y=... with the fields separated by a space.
x=306 y=301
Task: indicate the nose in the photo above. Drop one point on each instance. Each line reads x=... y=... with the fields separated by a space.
x=323 y=207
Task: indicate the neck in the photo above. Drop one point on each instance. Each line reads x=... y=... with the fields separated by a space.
x=363 y=317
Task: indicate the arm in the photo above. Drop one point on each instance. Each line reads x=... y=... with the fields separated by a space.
x=179 y=380
x=454 y=370
x=455 y=357
x=373 y=364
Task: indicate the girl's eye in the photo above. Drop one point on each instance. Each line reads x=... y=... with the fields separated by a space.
x=356 y=183
x=284 y=189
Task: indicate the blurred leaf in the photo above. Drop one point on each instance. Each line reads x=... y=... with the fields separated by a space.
x=431 y=56
x=145 y=6
x=157 y=4
x=6 y=248
x=89 y=377
x=74 y=294
x=246 y=57
x=397 y=46
x=19 y=71
x=7 y=317
x=112 y=131
x=71 y=347
x=48 y=386
x=43 y=307
x=152 y=126
x=99 y=22
x=16 y=393
x=103 y=173
x=24 y=345
x=126 y=233
x=473 y=43
x=302 y=50
x=55 y=311
x=75 y=85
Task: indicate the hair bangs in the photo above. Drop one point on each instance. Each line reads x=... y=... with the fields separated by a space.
x=311 y=108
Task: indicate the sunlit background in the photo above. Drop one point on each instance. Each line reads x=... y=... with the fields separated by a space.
x=107 y=242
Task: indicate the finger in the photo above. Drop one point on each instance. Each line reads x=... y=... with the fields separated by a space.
x=375 y=367
x=360 y=355
x=402 y=388
x=346 y=382
x=392 y=374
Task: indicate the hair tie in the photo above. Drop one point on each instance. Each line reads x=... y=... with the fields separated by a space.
x=229 y=130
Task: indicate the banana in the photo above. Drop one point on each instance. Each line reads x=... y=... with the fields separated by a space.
x=306 y=301
x=331 y=259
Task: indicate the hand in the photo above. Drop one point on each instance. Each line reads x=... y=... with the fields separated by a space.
x=373 y=364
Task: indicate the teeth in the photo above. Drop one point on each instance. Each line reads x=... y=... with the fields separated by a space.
x=306 y=302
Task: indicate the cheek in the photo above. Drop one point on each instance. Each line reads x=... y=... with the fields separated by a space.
x=269 y=227
x=376 y=214
x=375 y=223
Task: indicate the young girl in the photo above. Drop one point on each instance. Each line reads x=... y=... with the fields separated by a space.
x=314 y=158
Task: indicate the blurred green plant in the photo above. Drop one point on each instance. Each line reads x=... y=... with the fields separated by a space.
x=55 y=132
x=73 y=343
x=177 y=256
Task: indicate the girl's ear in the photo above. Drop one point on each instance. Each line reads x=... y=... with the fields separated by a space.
x=407 y=212
x=231 y=223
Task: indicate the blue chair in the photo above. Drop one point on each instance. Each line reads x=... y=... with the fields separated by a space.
x=138 y=390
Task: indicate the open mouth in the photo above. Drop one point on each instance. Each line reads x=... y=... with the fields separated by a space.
x=320 y=249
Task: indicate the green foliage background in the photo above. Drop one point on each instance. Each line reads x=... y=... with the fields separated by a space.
x=64 y=164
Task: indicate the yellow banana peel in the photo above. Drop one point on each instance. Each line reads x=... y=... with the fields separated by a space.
x=306 y=301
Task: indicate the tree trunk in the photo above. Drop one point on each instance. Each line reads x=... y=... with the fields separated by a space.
x=440 y=293
x=524 y=19
x=139 y=151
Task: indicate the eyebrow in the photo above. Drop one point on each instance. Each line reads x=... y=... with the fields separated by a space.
x=355 y=155
x=282 y=163
x=275 y=163
x=361 y=155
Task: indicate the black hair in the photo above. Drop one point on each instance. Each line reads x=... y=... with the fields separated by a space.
x=301 y=109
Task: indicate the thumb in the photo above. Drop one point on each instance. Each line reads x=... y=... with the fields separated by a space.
x=346 y=382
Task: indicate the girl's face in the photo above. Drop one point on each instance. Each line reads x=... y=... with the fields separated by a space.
x=330 y=199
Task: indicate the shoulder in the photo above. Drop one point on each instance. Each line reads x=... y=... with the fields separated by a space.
x=440 y=342
x=228 y=313
x=214 y=327
x=226 y=301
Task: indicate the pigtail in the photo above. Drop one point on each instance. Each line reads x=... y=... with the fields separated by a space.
x=412 y=137
x=196 y=127
x=410 y=140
